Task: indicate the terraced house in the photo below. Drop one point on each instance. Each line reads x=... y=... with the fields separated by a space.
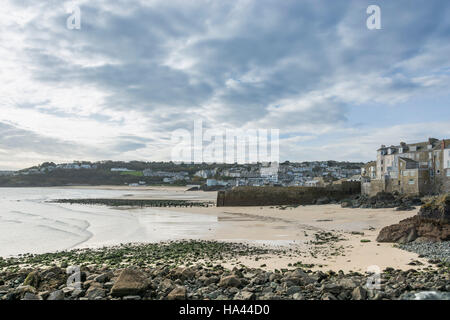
x=417 y=168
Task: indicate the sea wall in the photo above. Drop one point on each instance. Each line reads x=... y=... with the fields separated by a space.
x=266 y=196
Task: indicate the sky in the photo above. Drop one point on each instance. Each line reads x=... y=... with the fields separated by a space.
x=136 y=71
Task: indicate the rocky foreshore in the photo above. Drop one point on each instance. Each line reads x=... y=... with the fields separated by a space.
x=193 y=270
x=432 y=223
x=383 y=200
x=436 y=252
x=136 y=202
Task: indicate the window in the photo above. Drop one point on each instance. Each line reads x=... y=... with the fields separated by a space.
x=412 y=173
x=411 y=181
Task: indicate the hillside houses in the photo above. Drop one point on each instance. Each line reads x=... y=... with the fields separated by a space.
x=167 y=176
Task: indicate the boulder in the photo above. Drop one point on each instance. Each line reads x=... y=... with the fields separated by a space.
x=323 y=200
x=166 y=286
x=229 y=281
x=56 y=295
x=331 y=288
x=20 y=291
x=182 y=273
x=244 y=295
x=95 y=293
x=105 y=277
x=31 y=296
x=179 y=293
x=51 y=279
x=346 y=203
x=359 y=293
x=130 y=282
x=32 y=279
x=432 y=223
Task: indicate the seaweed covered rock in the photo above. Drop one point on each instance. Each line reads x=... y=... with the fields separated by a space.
x=432 y=223
x=383 y=200
x=130 y=282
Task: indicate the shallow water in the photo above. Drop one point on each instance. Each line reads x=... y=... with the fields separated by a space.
x=29 y=224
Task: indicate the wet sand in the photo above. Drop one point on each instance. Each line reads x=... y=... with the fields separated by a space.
x=288 y=228
x=296 y=227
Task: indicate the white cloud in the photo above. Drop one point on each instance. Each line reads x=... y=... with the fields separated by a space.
x=145 y=68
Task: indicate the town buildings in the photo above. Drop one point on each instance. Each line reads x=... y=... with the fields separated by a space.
x=417 y=168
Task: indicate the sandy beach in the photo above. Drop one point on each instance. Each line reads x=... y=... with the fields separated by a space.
x=327 y=236
x=295 y=227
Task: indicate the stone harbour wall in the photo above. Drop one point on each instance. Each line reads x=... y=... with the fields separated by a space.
x=266 y=196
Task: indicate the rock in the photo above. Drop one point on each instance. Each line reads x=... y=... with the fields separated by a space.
x=432 y=223
x=31 y=296
x=229 y=281
x=346 y=203
x=56 y=295
x=359 y=293
x=415 y=263
x=404 y=207
x=95 y=293
x=323 y=200
x=182 y=273
x=298 y=277
x=32 y=279
x=211 y=280
x=132 y=298
x=347 y=283
x=52 y=279
x=293 y=289
x=244 y=295
x=20 y=291
x=76 y=293
x=426 y=295
x=328 y=296
x=105 y=277
x=298 y=296
x=166 y=286
x=179 y=293
x=130 y=282
x=331 y=288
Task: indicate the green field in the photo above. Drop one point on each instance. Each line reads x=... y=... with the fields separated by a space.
x=133 y=173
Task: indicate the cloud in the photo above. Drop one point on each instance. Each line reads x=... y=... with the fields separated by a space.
x=143 y=69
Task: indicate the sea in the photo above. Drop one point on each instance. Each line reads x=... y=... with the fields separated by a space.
x=31 y=223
